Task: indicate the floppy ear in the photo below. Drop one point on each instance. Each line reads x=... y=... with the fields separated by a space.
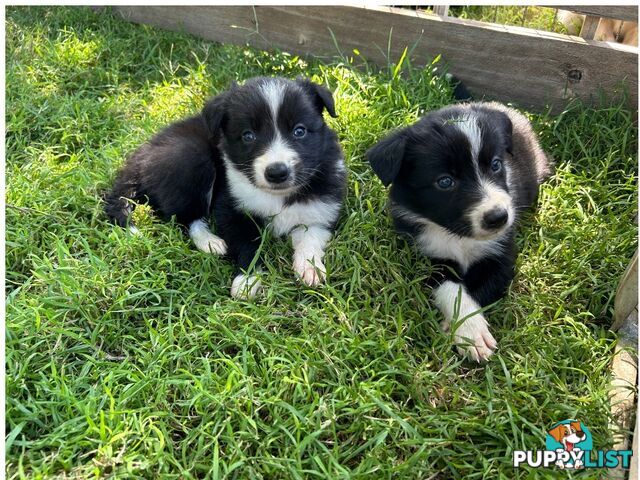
x=322 y=97
x=577 y=425
x=503 y=123
x=385 y=157
x=214 y=113
x=557 y=433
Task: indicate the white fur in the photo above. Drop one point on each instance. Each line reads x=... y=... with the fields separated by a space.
x=284 y=217
x=309 y=244
x=205 y=240
x=437 y=242
x=472 y=334
x=278 y=151
x=492 y=197
x=273 y=92
x=245 y=287
x=468 y=125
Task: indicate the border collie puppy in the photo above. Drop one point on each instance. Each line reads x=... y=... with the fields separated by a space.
x=258 y=155
x=460 y=178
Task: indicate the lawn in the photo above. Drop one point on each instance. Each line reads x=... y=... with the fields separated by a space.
x=126 y=357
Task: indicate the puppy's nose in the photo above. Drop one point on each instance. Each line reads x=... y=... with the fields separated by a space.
x=277 y=172
x=580 y=434
x=495 y=218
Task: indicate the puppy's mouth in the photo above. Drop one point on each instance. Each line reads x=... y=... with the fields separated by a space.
x=282 y=190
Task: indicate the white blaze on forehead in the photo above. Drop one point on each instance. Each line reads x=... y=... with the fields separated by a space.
x=468 y=125
x=273 y=93
x=278 y=150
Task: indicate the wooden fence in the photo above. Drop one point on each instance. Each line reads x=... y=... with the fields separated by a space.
x=530 y=67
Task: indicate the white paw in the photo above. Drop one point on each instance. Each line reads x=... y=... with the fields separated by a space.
x=246 y=287
x=210 y=243
x=474 y=340
x=311 y=272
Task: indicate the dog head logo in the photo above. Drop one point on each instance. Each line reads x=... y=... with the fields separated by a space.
x=570 y=436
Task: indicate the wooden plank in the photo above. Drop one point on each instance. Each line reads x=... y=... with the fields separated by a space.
x=626 y=299
x=589 y=27
x=529 y=67
x=442 y=10
x=619 y=12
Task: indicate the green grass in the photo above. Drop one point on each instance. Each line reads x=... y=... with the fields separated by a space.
x=529 y=16
x=126 y=357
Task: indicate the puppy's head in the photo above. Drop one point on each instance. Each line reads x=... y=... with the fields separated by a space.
x=568 y=434
x=451 y=168
x=271 y=131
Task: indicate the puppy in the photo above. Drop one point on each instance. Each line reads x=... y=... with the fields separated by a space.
x=460 y=178
x=258 y=155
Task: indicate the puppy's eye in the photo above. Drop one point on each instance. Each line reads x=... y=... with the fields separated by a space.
x=248 y=136
x=445 y=182
x=299 y=131
x=496 y=165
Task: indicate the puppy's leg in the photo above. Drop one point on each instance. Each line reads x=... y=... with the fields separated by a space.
x=472 y=334
x=242 y=237
x=246 y=285
x=308 y=245
x=205 y=240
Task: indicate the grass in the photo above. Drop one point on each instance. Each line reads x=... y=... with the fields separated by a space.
x=126 y=358
x=529 y=16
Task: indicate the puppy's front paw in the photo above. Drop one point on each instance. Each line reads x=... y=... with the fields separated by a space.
x=474 y=339
x=311 y=272
x=210 y=243
x=245 y=287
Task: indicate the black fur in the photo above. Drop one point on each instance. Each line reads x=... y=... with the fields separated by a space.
x=173 y=172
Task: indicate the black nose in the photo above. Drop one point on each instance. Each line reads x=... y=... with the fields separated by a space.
x=277 y=172
x=580 y=434
x=495 y=218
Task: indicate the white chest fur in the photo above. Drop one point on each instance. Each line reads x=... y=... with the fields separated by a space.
x=283 y=218
x=435 y=241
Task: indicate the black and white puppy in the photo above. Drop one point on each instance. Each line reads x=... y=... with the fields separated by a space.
x=258 y=155
x=460 y=178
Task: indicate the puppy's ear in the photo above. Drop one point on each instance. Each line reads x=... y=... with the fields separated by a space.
x=503 y=123
x=385 y=157
x=557 y=433
x=322 y=97
x=214 y=113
